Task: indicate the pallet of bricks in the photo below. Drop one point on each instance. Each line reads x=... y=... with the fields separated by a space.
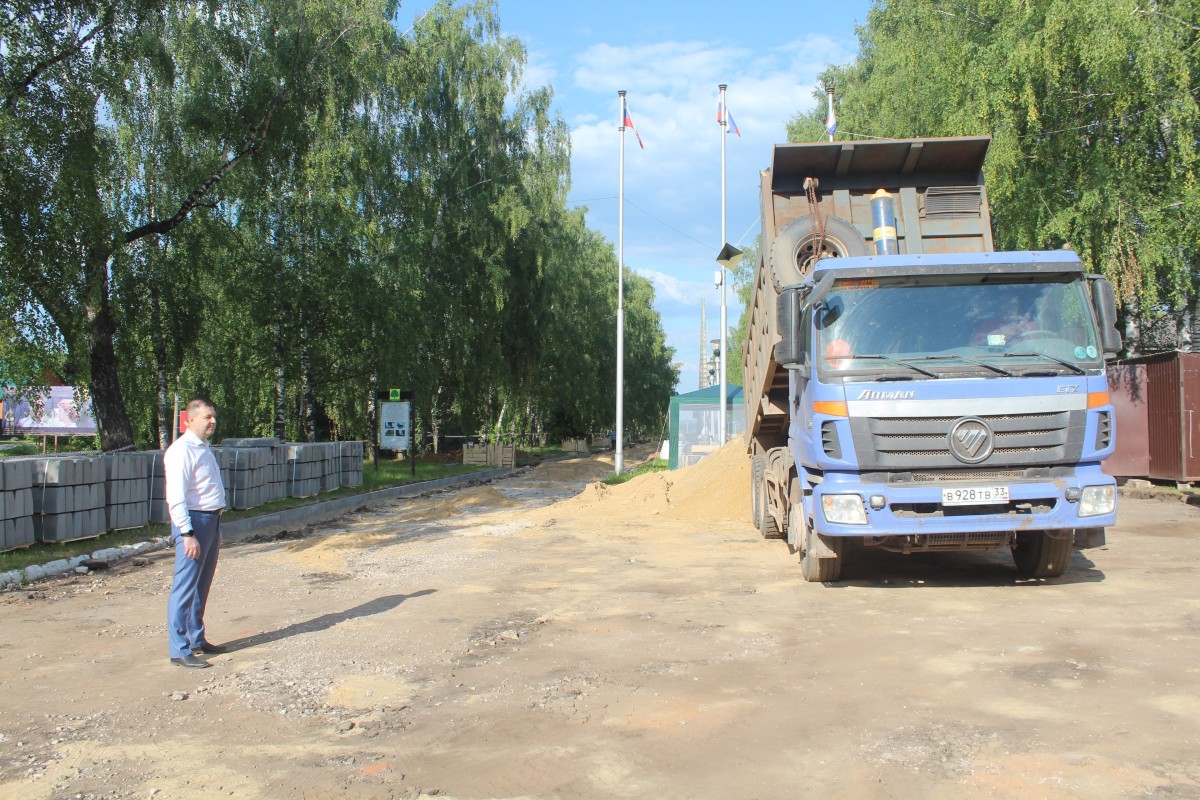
x=251 y=470
x=256 y=477
x=351 y=462
x=16 y=504
x=68 y=498
x=158 y=488
x=306 y=463
x=127 y=493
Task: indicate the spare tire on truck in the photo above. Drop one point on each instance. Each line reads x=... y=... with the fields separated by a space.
x=799 y=246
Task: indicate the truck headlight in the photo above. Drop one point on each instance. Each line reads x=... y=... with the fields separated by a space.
x=845 y=509
x=1097 y=500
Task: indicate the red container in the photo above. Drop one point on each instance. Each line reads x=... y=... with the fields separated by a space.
x=1157 y=401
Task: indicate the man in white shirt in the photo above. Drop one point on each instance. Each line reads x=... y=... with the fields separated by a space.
x=195 y=500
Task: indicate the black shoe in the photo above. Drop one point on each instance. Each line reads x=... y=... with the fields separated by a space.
x=211 y=649
x=190 y=661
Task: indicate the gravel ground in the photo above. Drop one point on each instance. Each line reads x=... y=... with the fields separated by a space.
x=531 y=638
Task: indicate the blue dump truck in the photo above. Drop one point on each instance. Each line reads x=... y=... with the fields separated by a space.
x=908 y=388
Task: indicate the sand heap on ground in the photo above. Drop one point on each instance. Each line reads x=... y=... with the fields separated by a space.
x=453 y=505
x=716 y=489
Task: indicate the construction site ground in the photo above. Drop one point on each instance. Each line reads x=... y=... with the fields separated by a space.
x=548 y=636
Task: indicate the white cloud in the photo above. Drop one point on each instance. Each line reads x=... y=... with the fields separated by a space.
x=688 y=293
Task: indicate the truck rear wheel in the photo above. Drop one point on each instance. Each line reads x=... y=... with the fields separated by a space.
x=800 y=245
x=1042 y=554
x=767 y=526
x=814 y=567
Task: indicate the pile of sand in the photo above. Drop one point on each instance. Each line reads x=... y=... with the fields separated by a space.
x=329 y=552
x=716 y=489
x=454 y=505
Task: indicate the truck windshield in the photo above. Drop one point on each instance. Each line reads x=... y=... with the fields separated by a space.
x=954 y=325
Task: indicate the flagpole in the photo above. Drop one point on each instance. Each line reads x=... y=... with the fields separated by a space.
x=619 y=452
x=722 y=421
x=830 y=117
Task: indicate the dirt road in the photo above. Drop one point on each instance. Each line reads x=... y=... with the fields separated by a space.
x=633 y=642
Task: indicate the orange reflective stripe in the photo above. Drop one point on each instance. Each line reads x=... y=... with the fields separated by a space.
x=833 y=408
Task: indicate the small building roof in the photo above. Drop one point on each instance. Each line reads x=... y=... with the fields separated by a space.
x=711 y=394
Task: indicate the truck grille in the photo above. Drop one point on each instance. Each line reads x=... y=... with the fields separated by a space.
x=922 y=443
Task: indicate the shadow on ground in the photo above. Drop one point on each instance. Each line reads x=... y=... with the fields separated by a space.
x=377 y=606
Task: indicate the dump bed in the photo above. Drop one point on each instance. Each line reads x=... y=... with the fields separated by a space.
x=940 y=207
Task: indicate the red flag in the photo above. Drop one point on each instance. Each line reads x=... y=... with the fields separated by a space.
x=627 y=122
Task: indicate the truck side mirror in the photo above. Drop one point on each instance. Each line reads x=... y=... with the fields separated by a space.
x=1104 y=300
x=788 y=309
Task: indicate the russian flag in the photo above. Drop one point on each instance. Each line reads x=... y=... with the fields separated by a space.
x=733 y=128
x=627 y=122
x=831 y=120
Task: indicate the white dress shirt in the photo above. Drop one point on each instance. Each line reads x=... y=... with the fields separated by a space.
x=193 y=479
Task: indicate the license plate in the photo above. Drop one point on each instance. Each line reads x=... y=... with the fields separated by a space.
x=974 y=495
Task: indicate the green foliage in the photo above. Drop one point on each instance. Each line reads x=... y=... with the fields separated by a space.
x=283 y=206
x=1094 y=113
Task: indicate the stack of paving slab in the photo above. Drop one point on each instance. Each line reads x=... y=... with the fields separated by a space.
x=352 y=463
x=68 y=499
x=127 y=489
x=306 y=468
x=248 y=474
x=272 y=475
x=16 y=504
x=331 y=476
x=158 y=488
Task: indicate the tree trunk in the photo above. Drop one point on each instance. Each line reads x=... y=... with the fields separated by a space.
x=500 y=422
x=373 y=417
x=280 y=385
x=166 y=425
x=308 y=404
x=107 y=402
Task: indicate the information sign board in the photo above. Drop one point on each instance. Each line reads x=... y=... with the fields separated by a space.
x=394 y=425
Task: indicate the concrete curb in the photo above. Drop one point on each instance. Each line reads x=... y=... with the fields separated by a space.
x=242 y=528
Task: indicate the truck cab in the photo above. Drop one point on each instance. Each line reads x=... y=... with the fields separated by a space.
x=939 y=396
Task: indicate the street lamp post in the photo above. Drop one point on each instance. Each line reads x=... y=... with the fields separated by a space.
x=728 y=258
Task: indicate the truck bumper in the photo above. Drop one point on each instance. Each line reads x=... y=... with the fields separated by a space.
x=911 y=509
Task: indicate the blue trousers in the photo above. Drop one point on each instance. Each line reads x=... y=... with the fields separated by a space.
x=189 y=588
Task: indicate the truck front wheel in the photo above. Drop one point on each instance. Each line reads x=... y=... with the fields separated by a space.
x=1042 y=554
x=821 y=560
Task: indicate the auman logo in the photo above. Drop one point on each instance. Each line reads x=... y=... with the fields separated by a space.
x=971 y=440
x=873 y=394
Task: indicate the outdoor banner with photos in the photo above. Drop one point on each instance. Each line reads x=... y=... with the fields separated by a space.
x=57 y=414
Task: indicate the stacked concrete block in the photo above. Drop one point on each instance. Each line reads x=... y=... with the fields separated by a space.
x=68 y=499
x=127 y=489
x=157 y=507
x=275 y=486
x=352 y=463
x=331 y=477
x=305 y=468
x=247 y=473
x=16 y=504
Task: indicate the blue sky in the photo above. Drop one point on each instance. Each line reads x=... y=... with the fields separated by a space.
x=670 y=58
